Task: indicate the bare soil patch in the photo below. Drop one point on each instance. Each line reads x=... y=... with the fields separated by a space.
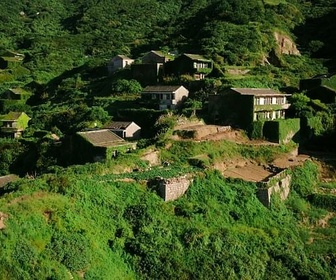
x=239 y=168
x=248 y=171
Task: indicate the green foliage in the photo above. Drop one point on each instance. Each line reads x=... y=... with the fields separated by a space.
x=305 y=178
x=81 y=221
x=126 y=86
x=10 y=152
x=84 y=221
x=256 y=130
x=300 y=104
x=324 y=201
x=282 y=131
x=73 y=250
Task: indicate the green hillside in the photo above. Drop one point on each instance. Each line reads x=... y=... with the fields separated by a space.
x=105 y=220
x=86 y=223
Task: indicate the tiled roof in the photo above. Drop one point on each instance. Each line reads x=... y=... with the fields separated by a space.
x=18 y=91
x=124 y=57
x=197 y=57
x=150 y=89
x=324 y=76
x=7 y=179
x=259 y=92
x=12 y=116
x=159 y=53
x=102 y=138
x=117 y=125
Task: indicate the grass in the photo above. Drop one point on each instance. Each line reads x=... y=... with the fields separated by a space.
x=275 y=2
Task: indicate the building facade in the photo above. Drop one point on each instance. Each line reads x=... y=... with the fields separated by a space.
x=165 y=97
x=242 y=106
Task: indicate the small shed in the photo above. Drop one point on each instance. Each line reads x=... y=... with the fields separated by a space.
x=119 y=62
x=125 y=129
x=14 y=123
x=99 y=145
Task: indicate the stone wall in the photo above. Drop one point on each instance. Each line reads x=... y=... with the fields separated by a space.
x=172 y=188
x=277 y=184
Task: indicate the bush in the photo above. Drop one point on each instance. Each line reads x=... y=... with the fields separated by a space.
x=71 y=249
x=305 y=178
x=256 y=130
x=325 y=201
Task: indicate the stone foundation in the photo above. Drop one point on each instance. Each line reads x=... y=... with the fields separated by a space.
x=172 y=188
x=277 y=184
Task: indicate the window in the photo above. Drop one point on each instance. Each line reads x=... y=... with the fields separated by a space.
x=280 y=100
x=173 y=96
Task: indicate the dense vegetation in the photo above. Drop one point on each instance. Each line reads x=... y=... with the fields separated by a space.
x=102 y=221
x=95 y=226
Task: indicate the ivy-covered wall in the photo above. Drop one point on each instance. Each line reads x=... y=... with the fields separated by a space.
x=279 y=131
x=256 y=130
x=22 y=121
x=84 y=151
x=282 y=131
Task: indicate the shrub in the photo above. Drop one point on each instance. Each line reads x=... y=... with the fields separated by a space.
x=305 y=178
x=325 y=201
x=256 y=130
x=71 y=249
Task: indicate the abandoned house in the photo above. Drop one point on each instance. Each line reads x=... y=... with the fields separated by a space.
x=150 y=70
x=126 y=130
x=241 y=106
x=13 y=124
x=99 y=145
x=16 y=94
x=10 y=60
x=321 y=87
x=165 y=97
x=194 y=65
x=119 y=62
x=155 y=57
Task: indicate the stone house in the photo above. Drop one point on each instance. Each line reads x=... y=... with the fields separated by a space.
x=194 y=65
x=165 y=97
x=321 y=87
x=147 y=74
x=155 y=57
x=171 y=188
x=151 y=68
x=119 y=62
x=10 y=60
x=4 y=180
x=16 y=94
x=126 y=130
x=241 y=106
x=99 y=145
x=13 y=97
x=14 y=123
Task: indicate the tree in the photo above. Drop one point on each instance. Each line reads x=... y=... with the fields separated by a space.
x=126 y=86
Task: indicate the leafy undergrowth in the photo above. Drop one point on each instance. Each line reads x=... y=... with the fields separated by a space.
x=89 y=226
x=180 y=152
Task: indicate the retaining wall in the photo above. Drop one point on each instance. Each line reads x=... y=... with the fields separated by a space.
x=277 y=184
